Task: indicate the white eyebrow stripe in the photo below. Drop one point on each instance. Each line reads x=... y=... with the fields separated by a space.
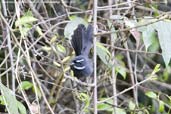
x=79 y=68
x=80 y=60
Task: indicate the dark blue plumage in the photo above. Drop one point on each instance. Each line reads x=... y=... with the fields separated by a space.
x=82 y=41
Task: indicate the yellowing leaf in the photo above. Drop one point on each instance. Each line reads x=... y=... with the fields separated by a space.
x=66 y=69
x=46 y=48
x=39 y=30
x=25 y=20
x=61 y=48
x=66 y=59
x=53 y=39
x=57 y=64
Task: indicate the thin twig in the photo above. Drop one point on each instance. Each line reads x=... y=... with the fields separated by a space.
x=114 y=77
x=136 y=58
x=128 y=89
x=9 y=47
x=131 y=71
x=132 y=51
x=24 y=54
x=127 y=29
x=95 y=54
x=19 y=81
x=78 y=81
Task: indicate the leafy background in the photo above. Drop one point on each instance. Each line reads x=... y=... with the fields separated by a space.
x=133 y=57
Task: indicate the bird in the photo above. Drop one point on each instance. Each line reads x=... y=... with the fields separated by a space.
x=82 y=42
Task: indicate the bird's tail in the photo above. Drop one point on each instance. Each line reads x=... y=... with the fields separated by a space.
x=82 y=39
x=88 y=40
x=77 y=39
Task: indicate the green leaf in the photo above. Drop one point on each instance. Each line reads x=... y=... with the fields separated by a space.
x=24 y=30
x=120 y=65
x=149 y=36
x=9 y=100
x=109 y=108
x=121 y=70
x=25 y=85
x=161 y=106
x=157 y=68
x=2 y=100
x=84 y=98
x=154 y=47
x=72 y=25
x=120 y=111
x=155 y=9
x=104 y=54
x=142 y=112
x=104 y=107
x=151 y=94
x=25 y=20
x=164 y=34
x=132 y=105
x=21 y=108
x=24 y=23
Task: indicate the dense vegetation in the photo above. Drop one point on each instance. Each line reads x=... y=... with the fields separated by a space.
x=131 y=40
